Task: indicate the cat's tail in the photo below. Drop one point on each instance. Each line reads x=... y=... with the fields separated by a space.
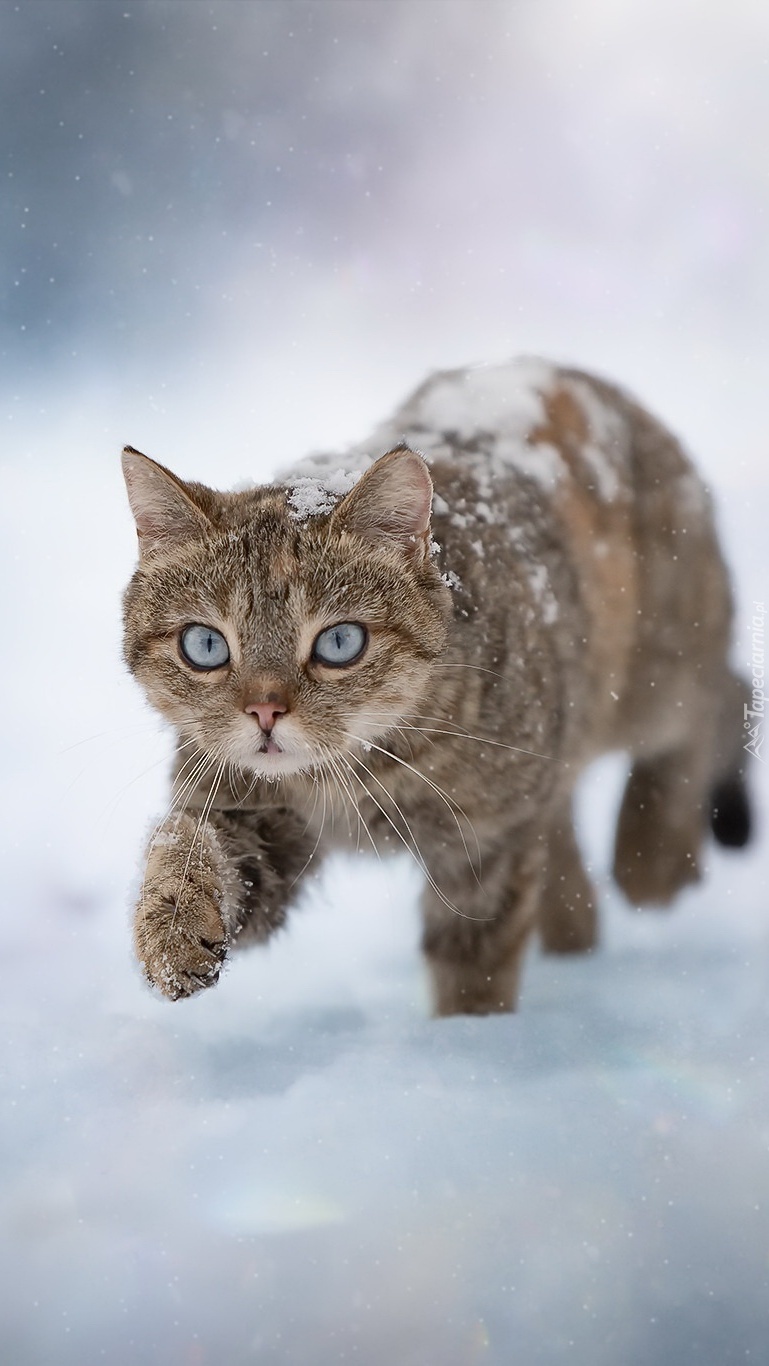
x=730 y=808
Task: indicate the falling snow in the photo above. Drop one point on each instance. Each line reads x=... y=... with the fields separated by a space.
x=299 y=1166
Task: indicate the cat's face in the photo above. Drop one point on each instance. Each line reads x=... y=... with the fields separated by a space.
x=275 y=643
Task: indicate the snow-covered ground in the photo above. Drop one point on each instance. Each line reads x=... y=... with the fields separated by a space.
x=299 y=1166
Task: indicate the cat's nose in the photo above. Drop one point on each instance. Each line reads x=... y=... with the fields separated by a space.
x=267 y=713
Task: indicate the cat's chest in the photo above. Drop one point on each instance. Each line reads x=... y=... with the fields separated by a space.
x=443 y=799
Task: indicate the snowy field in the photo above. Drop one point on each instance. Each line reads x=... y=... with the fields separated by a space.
x=299 y=1166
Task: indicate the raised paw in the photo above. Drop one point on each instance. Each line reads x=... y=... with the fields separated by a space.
x=181 y=941
x=180 y=930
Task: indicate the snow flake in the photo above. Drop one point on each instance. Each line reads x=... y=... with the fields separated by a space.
x=309 y=496
x=539 y=581
x=452 y=580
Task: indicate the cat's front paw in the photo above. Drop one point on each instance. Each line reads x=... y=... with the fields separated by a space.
x=180 y=932
x=181 y=942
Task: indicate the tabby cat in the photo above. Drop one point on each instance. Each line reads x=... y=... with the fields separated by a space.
x=335 y=675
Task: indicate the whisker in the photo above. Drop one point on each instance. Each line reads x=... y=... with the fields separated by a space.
x=456 y=664
x=116 y=734
x=498 y=744
x=316 y=777
x=412 y=848
x=448 y=802
x=464 y=734
x=342 y=760
x=181 y=790
x=319 y=835
x=177 y=793
x=204 y=765
x=345 y=806
x=109 y=811
x=202 y=819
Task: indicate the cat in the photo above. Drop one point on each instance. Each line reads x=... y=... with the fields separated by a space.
x=519 y=573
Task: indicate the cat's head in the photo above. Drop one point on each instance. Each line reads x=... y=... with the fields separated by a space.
x=272 y=639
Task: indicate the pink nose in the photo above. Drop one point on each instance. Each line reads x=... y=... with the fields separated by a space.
x=266 y=713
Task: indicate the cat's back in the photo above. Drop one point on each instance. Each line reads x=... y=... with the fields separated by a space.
x=561 y=503
x=554 y=476
x=524 y=418
x=552 y=452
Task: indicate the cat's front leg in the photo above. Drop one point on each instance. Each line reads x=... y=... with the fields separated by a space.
x=184 y=919
x=477 y=924
x=216 y=885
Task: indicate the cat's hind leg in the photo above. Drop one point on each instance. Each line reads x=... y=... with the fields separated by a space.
x=673 y=798
x=662 y=824
x=474 y=943
x=568 y=920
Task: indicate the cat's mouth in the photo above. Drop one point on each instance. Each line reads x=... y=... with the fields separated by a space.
x=270 y=746
x=271 y=758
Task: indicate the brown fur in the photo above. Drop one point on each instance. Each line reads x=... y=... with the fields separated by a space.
x=590 y=611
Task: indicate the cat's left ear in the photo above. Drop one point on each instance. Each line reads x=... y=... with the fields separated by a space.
x=163 y=510
x=391 y=502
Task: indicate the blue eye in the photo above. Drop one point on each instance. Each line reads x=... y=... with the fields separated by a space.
x=204 y=647
x=341 y=644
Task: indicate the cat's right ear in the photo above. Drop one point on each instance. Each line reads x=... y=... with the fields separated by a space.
x=163 y=510
x=391 y=502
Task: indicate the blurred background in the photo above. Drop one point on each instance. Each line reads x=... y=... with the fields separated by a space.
x=232 y=231
x=260 y=221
